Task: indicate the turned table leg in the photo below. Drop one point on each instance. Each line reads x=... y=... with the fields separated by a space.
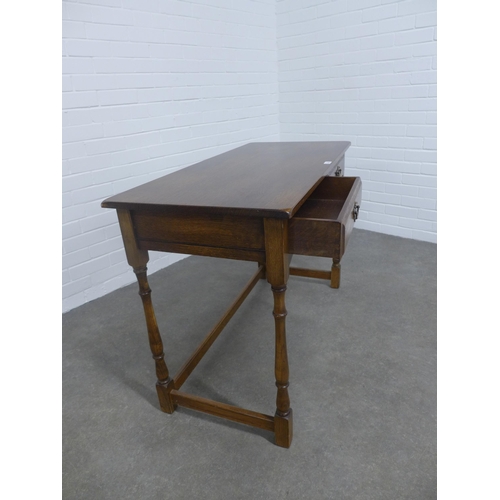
x=277 y=270
x=138 y=259
x=164 y=383
x=283 y=416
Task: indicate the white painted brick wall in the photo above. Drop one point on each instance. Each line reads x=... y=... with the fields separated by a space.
x=151 y=86
x=365 y=71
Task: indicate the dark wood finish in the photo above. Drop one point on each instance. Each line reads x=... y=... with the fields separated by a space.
x=277 y=262
x=261 y=202
x=245 y=181
x=223 y=253
x=221 y=231
x=223 y=410
x=138 y=260
x=201 y=350
x=335 y=275
x=311 y=273
x=322 y=226
x=212 y=235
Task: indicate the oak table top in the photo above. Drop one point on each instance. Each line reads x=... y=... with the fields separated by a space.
x=270 y=179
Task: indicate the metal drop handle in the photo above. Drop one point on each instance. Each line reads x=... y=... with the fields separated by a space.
x=355 y=211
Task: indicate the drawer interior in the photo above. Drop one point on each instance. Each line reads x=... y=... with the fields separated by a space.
x=323 y=224
x=327 y=200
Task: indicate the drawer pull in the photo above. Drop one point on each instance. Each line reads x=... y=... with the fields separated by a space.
x=355 y=211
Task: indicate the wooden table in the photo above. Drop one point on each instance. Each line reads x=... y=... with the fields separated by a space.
x=261 y=202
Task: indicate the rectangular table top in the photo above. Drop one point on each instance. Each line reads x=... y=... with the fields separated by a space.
x=269 y=179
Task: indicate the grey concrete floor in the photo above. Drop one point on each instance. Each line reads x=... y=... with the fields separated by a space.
x=362 y=383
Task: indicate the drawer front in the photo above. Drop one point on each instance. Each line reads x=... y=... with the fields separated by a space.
x=323 y=225
x=350 y=214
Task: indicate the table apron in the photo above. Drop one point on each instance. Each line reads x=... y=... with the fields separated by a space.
x=207 y=251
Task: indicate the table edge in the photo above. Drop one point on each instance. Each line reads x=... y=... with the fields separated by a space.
x=285 y=213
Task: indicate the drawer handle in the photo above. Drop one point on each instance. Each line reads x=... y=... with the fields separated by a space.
x=355 y=211
x=338 y=172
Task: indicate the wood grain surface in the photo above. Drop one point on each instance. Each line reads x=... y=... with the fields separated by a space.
x=269 y=179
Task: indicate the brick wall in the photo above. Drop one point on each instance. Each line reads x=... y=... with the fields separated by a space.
x=365 y=71
x=149 y=87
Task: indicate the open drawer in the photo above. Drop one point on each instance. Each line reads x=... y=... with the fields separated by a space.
x=323 y=224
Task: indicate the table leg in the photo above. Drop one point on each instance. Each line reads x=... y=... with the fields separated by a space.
x=277 y=267
x=335 y=278
x=138 y=259
x=164 y=383
x=283 y=417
